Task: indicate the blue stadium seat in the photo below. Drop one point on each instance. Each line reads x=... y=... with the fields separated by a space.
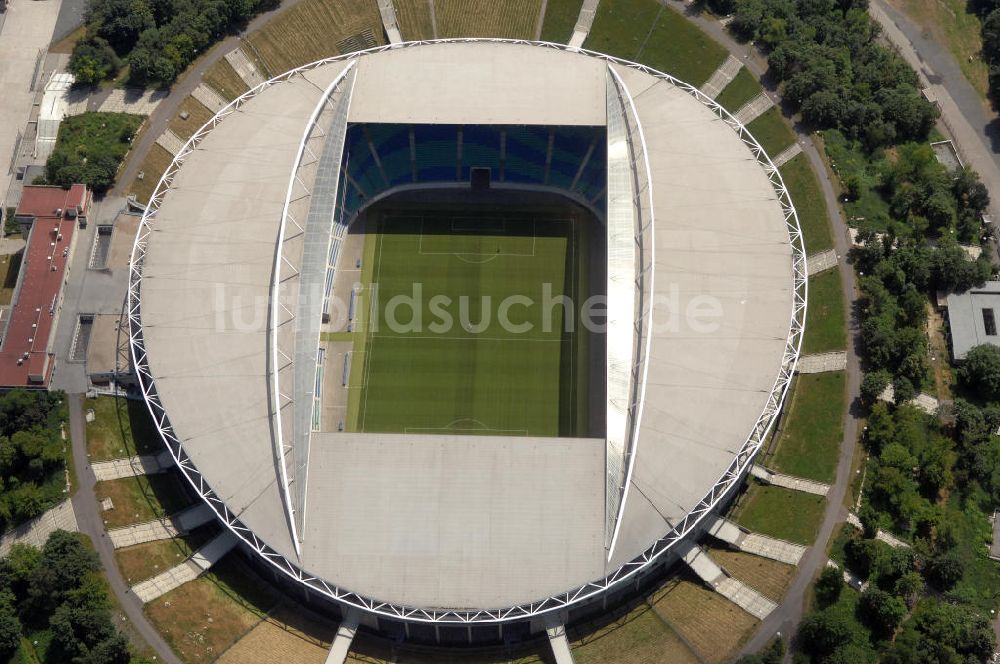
x=480 y=147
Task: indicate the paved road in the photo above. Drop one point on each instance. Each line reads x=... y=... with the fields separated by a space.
x=158 y=121
x=91 y=524
x=786 y=617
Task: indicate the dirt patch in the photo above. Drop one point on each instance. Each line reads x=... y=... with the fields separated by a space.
x=766 y=576
x=289 y=634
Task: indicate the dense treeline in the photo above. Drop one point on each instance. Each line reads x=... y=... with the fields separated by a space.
x=989 y=13
x=58 y=597
x=825 y=55
x=156 y=38
x=31 y=454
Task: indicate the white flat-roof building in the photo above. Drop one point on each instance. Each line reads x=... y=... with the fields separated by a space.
x=706 y=287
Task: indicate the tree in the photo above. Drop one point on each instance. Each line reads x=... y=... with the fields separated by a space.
x=822 y=633
x=10 y=625
x=991 y=37
x=943 y=572
x=882 y=611
x=828 y=586
x=93 y=60
x=980 y=373
x=120 y=22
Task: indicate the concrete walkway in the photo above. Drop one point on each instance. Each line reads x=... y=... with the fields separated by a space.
x=880 y=535
x=583 y=23
x=749 y=542
x=91 y=524
x=768 y=476
x=139 y=102
x=170 y=142
x=822 y=362
x=116 y=469
x=722 y=77
x=389 y=22
x=161 y=529
x=189 y=570
x=924 y=402
x=787 y=154
x=716 y=578
x=245 y=68
x=754 y=108
x=821 y=261
x=37 y=530
x=850 y=579
x=209 y=97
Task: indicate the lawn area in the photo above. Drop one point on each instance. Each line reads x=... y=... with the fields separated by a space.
x=415 y=371
x=152 y=169
x=560 y=19
x=621 y=27
x=711 y=624
x=949 y=22
x=812 y=429
x=825 y=316
x=198 y=115
x=514 y=19
x=639 y=637
x=144 y=561
x=647 y=32
x=789 y=515
x=202 y=618
x=10 y=265
x=223 y=79
x=740 y=90
x=414 y=18
x=142 y=498
x=848 y=160
x=290 y=634
x=316 y=29
x=677 y=47
x=90 y=147
x=762 y=574
x=772 y=132
x=810 y=205
x=121 y=427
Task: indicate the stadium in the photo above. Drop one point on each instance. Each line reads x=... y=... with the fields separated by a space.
x=468 y=335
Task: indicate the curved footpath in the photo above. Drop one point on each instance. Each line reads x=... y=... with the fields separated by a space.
x=88 y=518
x=157 y=122
x=786 y=617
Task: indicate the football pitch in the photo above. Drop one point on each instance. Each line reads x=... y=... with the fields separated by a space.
x=453 y=333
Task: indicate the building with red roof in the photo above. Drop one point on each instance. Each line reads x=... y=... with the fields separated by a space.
x=50 y=216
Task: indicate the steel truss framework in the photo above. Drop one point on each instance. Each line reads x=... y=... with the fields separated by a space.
x=729 y=479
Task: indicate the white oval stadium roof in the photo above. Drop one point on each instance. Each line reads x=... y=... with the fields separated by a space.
x=465 y=527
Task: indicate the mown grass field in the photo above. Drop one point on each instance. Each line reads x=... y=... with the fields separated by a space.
x=202 y=618
x=152 y=168
x=223 y=78
x=641 y=636
x=809 y=443
x=121 y=428
x=198 y=115
x=771 y=131
x=429 y=369
x=144 y=561
x=311 y=30
x=710 y=623
x=414 y=19
x=740 y=90
x=515 y=19
x=645 y=31
x=764 y=575
x=826 y=324
x=142 y=498
x=560 y=18
x=793 y=516
x=810 y=205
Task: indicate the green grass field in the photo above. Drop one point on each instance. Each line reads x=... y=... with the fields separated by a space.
x=793 y=516
x=560 y=18
x=650 y=33
x=807 y=197
x=740 y=90
x=447 y=364
x=809 y=444
x=772 y=132
x=826 y=318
